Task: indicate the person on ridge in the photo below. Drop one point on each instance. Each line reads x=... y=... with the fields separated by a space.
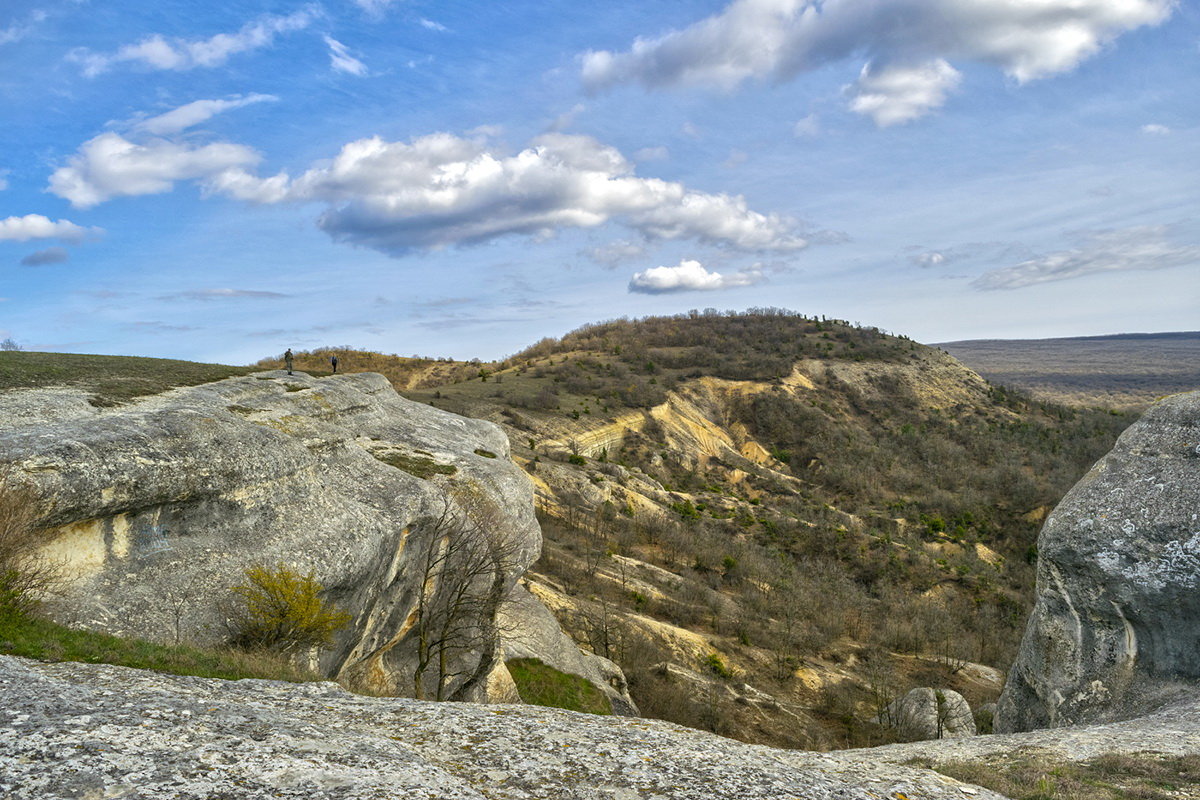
x=333 y=360
x=287 y=360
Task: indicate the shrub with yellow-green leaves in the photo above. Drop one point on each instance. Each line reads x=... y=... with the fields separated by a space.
x=280 y=609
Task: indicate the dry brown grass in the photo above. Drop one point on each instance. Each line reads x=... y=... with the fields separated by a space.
x=1034 y=775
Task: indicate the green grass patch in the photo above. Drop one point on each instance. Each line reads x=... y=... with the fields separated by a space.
x=424 y=468
x=111 y=379
x=543 y=685
x=479 y=451
x=34 y=637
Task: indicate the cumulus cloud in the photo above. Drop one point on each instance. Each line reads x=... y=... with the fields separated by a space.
x=341 y=60
x=895 y=94
x=908 y=45
x=36 y=226
x=157 y=52
x=441 y=190
x=929 y=258
x=111 y=166
x=691 y=276
x=186 y=116
x=51 y=255
x=1156 y=129
x=1143 y=247
x=222 y=294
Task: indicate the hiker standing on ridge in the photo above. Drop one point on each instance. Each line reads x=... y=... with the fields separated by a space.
x=333 y=360
x=287 y=360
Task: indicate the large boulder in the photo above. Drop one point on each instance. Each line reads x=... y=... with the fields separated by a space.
x=1117 y=617
x=156 y=508
x=926 y=713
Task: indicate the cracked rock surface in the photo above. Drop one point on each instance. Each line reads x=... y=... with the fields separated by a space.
x=85 y=730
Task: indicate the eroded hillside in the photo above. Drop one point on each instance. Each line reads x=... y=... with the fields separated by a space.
x=777 y=524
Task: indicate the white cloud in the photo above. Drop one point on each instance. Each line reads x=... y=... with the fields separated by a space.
x=1144 y=247
x=35 y=226
x=897 y=94
x=341 y=60
x=374 y=8
x=111 y=166
x=51 y=255
x=780 y=39
x=186 y=116
x=567 y=118
x=19 y=30
x=433 y=26
x=207 y=295
x=1156 y=129
x=659 y=153
x=616 y=252
x=691 y=276
x=157 y=52
x=929 y=258
x=442 y=190
x=807 y=127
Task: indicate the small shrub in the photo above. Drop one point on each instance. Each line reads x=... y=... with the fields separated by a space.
x=718 y=666
x=577 y=459
x=279 y=609
x=24 y=575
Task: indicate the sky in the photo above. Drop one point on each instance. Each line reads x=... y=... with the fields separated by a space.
x=219 y=181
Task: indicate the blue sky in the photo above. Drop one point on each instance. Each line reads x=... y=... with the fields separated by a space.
x=220 y=181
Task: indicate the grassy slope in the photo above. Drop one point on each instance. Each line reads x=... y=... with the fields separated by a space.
x=32 y=637
x=111 y=379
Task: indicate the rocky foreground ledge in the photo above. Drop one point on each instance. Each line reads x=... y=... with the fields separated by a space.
x=91 y=730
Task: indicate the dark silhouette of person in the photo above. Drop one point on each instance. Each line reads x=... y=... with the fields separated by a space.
x=287 y=360
x=333 y=360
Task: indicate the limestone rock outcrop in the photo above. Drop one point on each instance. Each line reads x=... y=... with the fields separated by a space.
x=1117 y=616
x=93 y=730
x=926 y=713
x=157 y=507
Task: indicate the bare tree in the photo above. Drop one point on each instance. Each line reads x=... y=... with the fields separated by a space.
x=465 y=573
x=25 y=575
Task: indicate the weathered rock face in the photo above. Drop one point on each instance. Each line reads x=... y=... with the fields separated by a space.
x=1118 y=585
x=926 y=713
x=90 y=730
x=157 y=508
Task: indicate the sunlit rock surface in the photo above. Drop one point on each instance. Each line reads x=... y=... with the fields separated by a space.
x=83 y=730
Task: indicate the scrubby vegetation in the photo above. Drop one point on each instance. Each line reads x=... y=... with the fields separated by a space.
x=278 y=609
x=542 y=685
x=887 y=530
